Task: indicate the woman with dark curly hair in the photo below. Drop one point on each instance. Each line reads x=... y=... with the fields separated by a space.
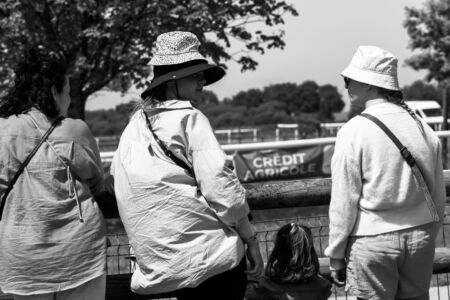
x=292 y=271
x=51 y=230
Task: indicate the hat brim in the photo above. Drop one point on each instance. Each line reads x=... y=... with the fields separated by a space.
x=372 y=78
x=212 y=74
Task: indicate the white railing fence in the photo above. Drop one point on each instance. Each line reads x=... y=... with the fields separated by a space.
x=107 y=156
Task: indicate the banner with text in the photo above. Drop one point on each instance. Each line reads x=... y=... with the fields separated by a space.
x=277 y=164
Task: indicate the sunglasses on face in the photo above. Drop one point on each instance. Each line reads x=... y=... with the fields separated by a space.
x=346 y=82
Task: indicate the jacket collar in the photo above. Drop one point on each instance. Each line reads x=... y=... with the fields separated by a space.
x=171 y=104
x=38 y=117
x=383 y=107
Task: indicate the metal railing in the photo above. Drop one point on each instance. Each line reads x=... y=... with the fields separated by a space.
x=119 y=250
x=108 y=155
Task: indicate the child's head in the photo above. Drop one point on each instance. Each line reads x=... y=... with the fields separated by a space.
x=293 y=258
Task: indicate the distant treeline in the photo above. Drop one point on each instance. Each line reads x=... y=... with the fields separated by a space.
x=306 y=104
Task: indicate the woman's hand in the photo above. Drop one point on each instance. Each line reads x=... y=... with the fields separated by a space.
x=338 y=271
x=256 y=267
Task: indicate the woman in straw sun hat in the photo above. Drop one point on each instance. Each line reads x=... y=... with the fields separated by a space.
x=385 y=207
x=182 y=205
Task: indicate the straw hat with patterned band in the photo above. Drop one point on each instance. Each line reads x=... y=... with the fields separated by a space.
x=177 y=57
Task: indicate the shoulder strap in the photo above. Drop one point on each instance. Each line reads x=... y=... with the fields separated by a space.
x=411 y=162
x=172 y=156
x=166 y=151
x=25 y=163
x=403 y=150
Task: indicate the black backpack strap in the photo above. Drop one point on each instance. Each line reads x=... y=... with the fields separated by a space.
x=25 y=163
x=166 y=150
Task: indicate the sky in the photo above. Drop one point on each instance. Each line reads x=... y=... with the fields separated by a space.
x=320 y=43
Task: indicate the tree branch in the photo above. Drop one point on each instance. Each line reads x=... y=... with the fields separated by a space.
x=98 y=85
x=258 y=20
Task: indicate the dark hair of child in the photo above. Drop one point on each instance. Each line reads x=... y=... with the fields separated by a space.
x=35 y=75
x=293 y=258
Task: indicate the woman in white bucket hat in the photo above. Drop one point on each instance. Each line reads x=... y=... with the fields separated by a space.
x=385 y=208
x=182 y=205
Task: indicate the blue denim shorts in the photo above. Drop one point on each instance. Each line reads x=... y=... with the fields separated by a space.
x=392 y=265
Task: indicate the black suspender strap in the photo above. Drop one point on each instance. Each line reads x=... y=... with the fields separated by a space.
x=410 y=161
x=25 y=163
x=166 y=150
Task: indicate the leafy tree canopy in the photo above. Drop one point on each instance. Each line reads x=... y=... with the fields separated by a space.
x=306 y=104
x=307 y=97
x=249 y=98
x=330 y=101
x=110 y=122
x=429 y=32
x=286 y=93
x=109 y=42
x=420 y=90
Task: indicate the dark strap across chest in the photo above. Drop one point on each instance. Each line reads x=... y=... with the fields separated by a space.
x=25 y=163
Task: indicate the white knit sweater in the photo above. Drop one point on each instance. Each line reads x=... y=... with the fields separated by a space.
x=373 y=189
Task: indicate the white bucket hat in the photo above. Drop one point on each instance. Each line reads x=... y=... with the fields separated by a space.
x=176 y=57
x=375 y=66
